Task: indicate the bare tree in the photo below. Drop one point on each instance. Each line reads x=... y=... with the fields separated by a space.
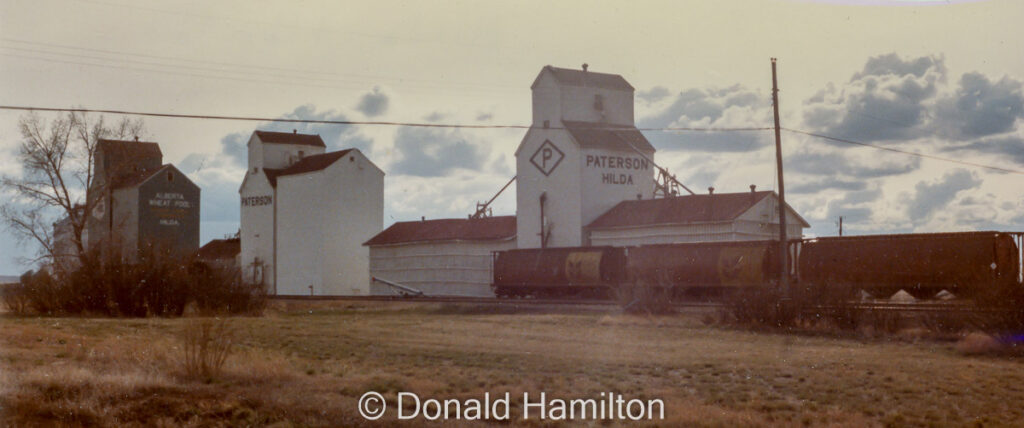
x=56 y=178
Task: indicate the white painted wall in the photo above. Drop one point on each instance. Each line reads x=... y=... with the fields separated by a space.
x=444 y=268
x=257 y=229
x=301 y=209
x=606 y=183
x=547 y=102
x=577 y=193
x=578 y=104
x=562 y=186
x=255 y=147
x=275 y=155
x=359 y=206
x=554 y=102
x=323 y=218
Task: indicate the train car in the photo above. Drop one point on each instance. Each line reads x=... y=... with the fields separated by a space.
x=921 y=264
x=558 y=272
x=705 y=268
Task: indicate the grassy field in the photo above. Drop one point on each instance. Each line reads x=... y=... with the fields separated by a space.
x=302 y=365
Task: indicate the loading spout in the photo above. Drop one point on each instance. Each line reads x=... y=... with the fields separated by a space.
x=404 y=289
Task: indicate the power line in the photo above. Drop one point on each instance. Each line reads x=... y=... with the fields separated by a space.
x=305 y=27
x=225 y=74
x=906 y=152
x=341 y=122
x=228 y=67
x=465 y=126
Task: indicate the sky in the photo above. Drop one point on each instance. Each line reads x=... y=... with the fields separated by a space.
x=941 y=78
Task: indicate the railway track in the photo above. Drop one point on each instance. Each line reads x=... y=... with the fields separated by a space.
x=925 y=307
x=447 y=299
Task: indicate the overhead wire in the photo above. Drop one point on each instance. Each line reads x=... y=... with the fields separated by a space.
x=906 y=152
x=299 y=81
x=470 y=126
x=337 y=122
x=226 y=67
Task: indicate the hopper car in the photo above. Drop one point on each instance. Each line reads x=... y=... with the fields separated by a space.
x=922 y=264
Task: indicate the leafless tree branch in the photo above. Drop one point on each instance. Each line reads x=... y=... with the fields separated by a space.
x=57 y=177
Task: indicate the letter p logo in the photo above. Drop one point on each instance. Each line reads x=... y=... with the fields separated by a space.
x=547 y=157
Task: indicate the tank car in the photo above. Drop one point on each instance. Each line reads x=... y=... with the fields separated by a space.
x=921 y=264
x=705 y=268
x=558 y=272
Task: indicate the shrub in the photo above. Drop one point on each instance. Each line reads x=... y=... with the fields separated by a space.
x=761 y=306
x=43 y=292
x=218 y=288
x=833 y=304
x=948 y=322
x=206 y=344
x=158 y=284
x=1000 y=311
x=15 y=298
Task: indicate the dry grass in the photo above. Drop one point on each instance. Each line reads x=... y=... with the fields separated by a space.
x=308 y=365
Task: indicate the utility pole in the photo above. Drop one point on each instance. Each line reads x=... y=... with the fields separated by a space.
x=840 y=225
x=783 y=242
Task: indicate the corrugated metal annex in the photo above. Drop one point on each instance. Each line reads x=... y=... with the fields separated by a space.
x=440 y=257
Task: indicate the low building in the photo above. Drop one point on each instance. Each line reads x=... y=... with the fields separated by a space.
x=745 y=216
x=221 y=253
x=446 y=257
x=305 y=214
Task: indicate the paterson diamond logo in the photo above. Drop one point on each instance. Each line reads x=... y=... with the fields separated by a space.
x=547 y=157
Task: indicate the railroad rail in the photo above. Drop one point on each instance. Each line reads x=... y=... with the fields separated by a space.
x=448 y=299
x=918 y=307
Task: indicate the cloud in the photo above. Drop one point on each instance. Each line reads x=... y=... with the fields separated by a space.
x=730 y=107
x=435 y=117
x=1010 y=147
x=930 y=197
x=336 y=137
x=484 y=117
x=837 y=163
x=219 y=178
x=980 y=108
x=829 y=183
x=452 y=196
x=888 y=100
x=654 y=94
x=854 y=207
x=433 y=152
x=892 y=65
x=896 y=100
x=373 y=103
x=234 y=147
